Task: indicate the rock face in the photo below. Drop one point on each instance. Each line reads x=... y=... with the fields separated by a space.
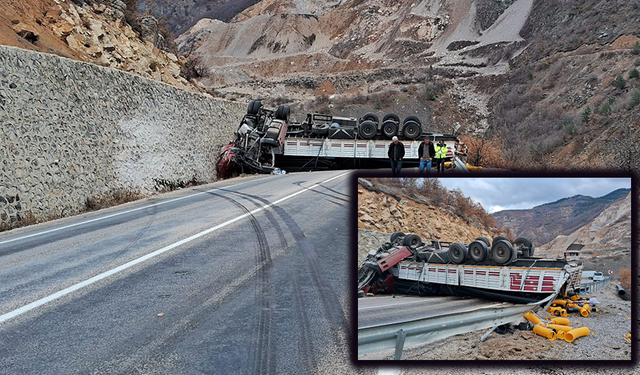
x=95 y=33
x=381 y=212
x=544 y=223
x=609 y=232
x=73 y=131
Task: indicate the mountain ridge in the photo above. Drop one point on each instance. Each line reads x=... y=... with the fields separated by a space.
x=545 y=222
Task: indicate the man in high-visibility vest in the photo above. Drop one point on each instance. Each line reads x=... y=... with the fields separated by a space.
x=441 y=154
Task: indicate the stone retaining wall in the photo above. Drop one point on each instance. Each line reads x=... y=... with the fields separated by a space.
x=73 y=132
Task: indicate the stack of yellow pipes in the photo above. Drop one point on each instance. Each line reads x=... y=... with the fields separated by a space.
x=556 y=328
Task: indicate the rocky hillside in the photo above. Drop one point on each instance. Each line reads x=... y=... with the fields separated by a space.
x=180 y=16
x=535 y=77
x=545 y=222
x=387 y=209
x=608 y=233
x=106 y=33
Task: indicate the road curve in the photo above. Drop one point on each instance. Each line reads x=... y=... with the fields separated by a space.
x=238 y=277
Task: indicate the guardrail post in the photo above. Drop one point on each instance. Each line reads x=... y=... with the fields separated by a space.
x=399 y=344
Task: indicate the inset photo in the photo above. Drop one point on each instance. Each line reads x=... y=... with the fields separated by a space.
x=495 y=269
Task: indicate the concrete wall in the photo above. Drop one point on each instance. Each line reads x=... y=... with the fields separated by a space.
x=72 y=131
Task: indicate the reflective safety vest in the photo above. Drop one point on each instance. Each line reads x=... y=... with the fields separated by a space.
x=441 y=151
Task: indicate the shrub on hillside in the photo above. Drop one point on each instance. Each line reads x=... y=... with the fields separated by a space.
x=634 y=73
x=619 y=82
x=624 y=276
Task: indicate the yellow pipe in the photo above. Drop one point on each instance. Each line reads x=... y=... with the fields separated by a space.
x=546 y=332
x=559 y=327
x=530 y=316
x=560 y=302
x=585 y=310
x=561 y=321
x=558 y=311
x=574 y=334
x=575 y=298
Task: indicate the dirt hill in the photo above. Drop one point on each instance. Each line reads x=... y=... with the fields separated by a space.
x=563 y=217
x=607 y=234
x=537 y=77
x=104 y=33
x=387 y=209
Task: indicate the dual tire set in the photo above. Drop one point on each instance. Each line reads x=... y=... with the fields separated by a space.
x=501 y=250
x=282 y=112
x=368 y=128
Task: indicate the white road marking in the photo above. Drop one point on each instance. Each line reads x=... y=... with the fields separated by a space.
x=389 y=371
x=104 y=275
x=113 y=215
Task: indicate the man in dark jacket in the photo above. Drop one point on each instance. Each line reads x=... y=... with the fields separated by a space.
x=396 y=153
x=427 y=152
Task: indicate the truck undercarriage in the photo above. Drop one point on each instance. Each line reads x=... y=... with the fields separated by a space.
x=499 y=270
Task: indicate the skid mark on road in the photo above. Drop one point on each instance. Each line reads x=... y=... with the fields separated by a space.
x=81 y=285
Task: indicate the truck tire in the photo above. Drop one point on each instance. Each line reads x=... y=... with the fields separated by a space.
x=499 y=238
x=411 y=130
x=320 y=129
x=502 y=252
x=395 y=236
x=391 y=116
x=526 y=245
x=253 y=107
x=370 y=116
x=412 y=119
x=457 y=252
x=485 y=240
x=478 y=251
x=367 y=129
x=282 y=113
x=389 y=128
x=412 y=241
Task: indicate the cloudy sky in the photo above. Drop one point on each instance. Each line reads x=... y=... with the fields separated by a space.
x=496 y=194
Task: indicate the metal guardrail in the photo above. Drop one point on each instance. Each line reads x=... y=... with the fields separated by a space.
x=395 y=335
x=594 y=286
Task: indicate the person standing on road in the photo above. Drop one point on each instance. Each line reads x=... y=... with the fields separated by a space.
x=427 y=152
x=396 y=153
x=441 y=154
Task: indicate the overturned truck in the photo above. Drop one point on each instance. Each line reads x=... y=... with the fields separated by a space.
x=266 y=139
x=498 y=270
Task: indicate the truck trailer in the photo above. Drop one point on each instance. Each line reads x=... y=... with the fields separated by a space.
x=266 y=139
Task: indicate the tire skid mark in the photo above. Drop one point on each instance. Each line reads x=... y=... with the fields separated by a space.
x=333 y=312
x=264 y=361
x=263 y=347
x=305 y=346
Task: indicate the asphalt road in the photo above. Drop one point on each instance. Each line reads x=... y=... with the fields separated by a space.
x=247 y=276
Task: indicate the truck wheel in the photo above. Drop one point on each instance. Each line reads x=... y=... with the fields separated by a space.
x=457 y=252
x=485 y=240
x=395 y=236
x=412 y=119
x=500 y=238
x=503 y=252
x=391 y=116
x=370 y=116
x=282 y=113
x=320 y=129
x=478 y=251
x=389 y=128
x=526 y=245
x=367 y=129
x=411 y=130
x=412 y=241
x=254 y=107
